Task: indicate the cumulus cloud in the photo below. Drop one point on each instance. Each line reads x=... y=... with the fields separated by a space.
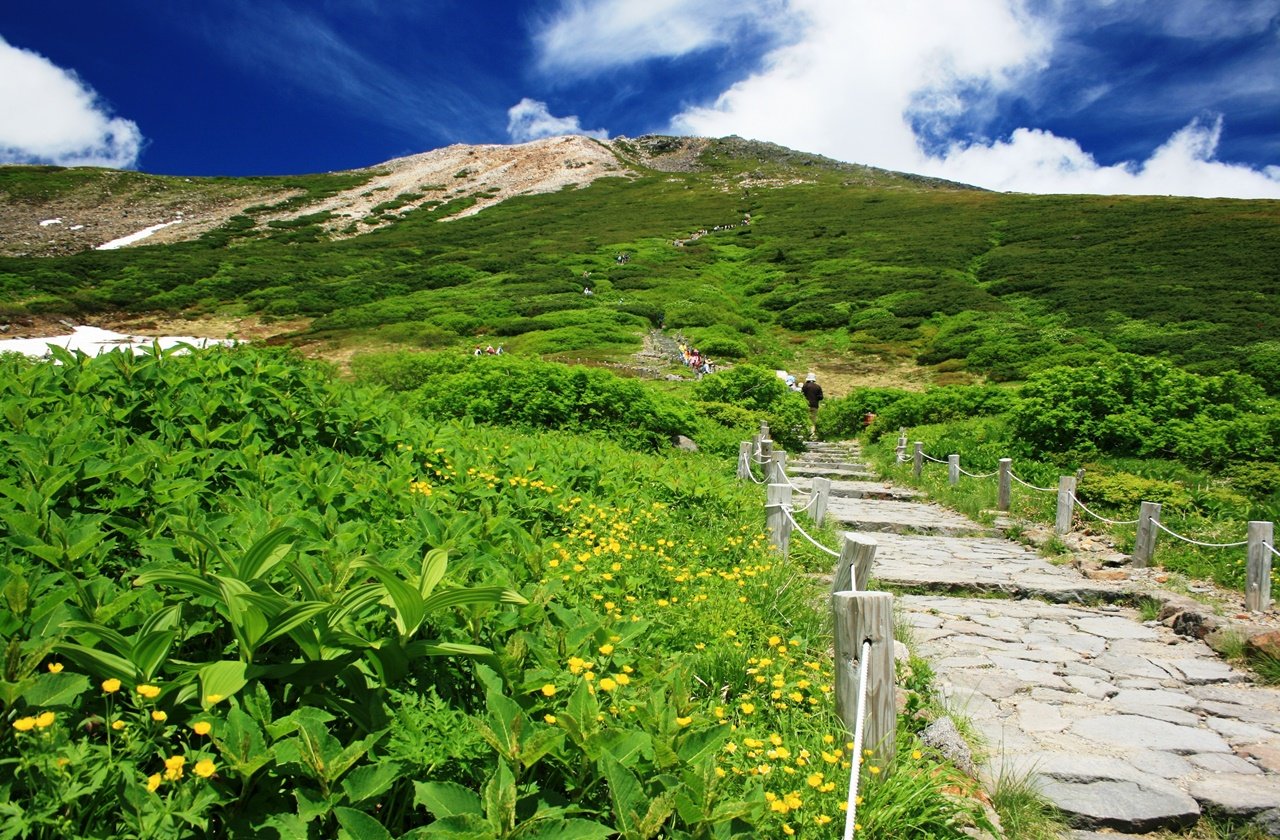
x=530 y=119
x=586 y=36
x=895 y=84
x=51 y=116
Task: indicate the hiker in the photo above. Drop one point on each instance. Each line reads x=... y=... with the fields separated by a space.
x=478 y=351
x=813 y=394
x=868 y=419
x=586 y=290
x=489 y=351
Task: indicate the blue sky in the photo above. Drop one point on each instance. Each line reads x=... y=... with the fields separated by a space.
x=1098 y=96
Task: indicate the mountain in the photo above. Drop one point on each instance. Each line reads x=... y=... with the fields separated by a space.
x=752 y=250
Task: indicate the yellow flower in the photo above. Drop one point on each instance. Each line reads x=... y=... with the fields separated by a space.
x=548 y=690
x=24 y=724
x=747 y=708
x=774 y=640
x=607 y=684
x=202 y=727
x=605 y=650
x=684 y=721
x=173 y=767
x=153 y=782
x=205 y=768
x=213 y=698
x=551 y=719
x=788 y=830
x=117 y=725
x=111 y=686
x=622 y=679
x=44 y=720
x=55 y=667
x=916 y=755
x=150 y=692
x=159 y=716
x=874 y=770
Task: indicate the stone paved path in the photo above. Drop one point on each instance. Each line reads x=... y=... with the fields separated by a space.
x=1124 y=725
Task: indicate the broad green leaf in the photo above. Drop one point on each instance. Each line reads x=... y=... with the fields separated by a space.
x=500 y=798
x=292 y=617
x=627 y=793
x=264 y=554
x=445 y=799
x=366 y=782
x=185 y=581
x=99 y=662
x=241 y=743
x=222 y=679
x=288 y=826
x=699 y=744
x=414 y=649
x=46 y=690
x=150 y=650
x=434 y=564
x=461 y=827
x=357 y=825
x=407 y=605
x=472 y=595
x=562 y=829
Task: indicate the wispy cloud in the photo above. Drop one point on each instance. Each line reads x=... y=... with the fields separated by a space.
x=587 y=36
x=52 y=116
x=300 y=48
x=913 y=85
x=530 y=119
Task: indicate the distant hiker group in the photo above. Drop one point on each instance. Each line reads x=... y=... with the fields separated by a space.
x=488 y=351
x=694 y=359
x=698 y=234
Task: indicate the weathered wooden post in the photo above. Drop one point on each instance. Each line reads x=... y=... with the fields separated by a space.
x=866 y=617
x=1145 y=545
x=1066 y=503
x=820 y=489
x=764 y=429
x=1079 y=476
x=775 y=517
x=953 y=469
x=1004 y=496
x=777 y=467
x=745 y=451
x=917 y=460
x=902 y=445
x=766 y=450
x=853 y=568
x=1257 y=590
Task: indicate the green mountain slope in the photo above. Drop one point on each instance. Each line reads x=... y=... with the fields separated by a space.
x=802 y=258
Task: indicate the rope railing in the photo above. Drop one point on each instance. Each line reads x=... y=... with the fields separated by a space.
x=971 y=475
x=851 y=807
x=804 y=533
x=744 y=460
x=1271 y=548
x=929 y=457
x=1177 y=536
x=1076 y=500
x=1014 y=476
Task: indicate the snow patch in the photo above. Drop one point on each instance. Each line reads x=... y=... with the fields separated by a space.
x=135 y=237
x=48 y=222
x=94 y=340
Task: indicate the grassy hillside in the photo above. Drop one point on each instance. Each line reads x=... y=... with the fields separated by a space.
x=838 y=261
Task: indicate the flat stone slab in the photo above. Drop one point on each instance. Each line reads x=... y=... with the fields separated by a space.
x=1052 y=689
x=900 y=517
x=969 y=564
x=854 y=471
x=861 y=489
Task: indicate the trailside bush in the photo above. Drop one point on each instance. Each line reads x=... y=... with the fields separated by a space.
x=842 y=417
x=760 y=390
x=939 y=405
x=505 y=390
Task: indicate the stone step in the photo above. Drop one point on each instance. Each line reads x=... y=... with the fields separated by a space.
x=1125 y=726
x=862 y=489
x=949 y=564
x=852 y=471
x=902 y=517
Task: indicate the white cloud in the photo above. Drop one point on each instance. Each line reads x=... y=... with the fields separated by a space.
x=865 y=78
x=530 y=119
x=586 y=36
x=51 y=116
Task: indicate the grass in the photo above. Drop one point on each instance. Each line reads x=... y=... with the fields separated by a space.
x=1025 y=813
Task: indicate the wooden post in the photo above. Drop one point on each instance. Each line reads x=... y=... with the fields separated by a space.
x=745 y=452
x=853 y=569
x=1257 y=590
x=1145 y=545
x=859 y=617
x=1066 y=503
x=902 y=445
x=777 y=467
x=821 y=489
x=766 y=452
x=1079 y=476
x=775 y=518
x=917 y=460
x=764 y=429
x=1004 y=496
x=953 y=469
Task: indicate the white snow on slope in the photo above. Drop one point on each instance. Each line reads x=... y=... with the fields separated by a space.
x=135 y=237
x=93 y=340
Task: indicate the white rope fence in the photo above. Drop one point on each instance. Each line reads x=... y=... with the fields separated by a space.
x=1076 y=500
x=1032 y=486
x=984 y=475
x=745 y=461
x=1271 y=548
x=805 y=534
x=851 y=809
x=1178 y=536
